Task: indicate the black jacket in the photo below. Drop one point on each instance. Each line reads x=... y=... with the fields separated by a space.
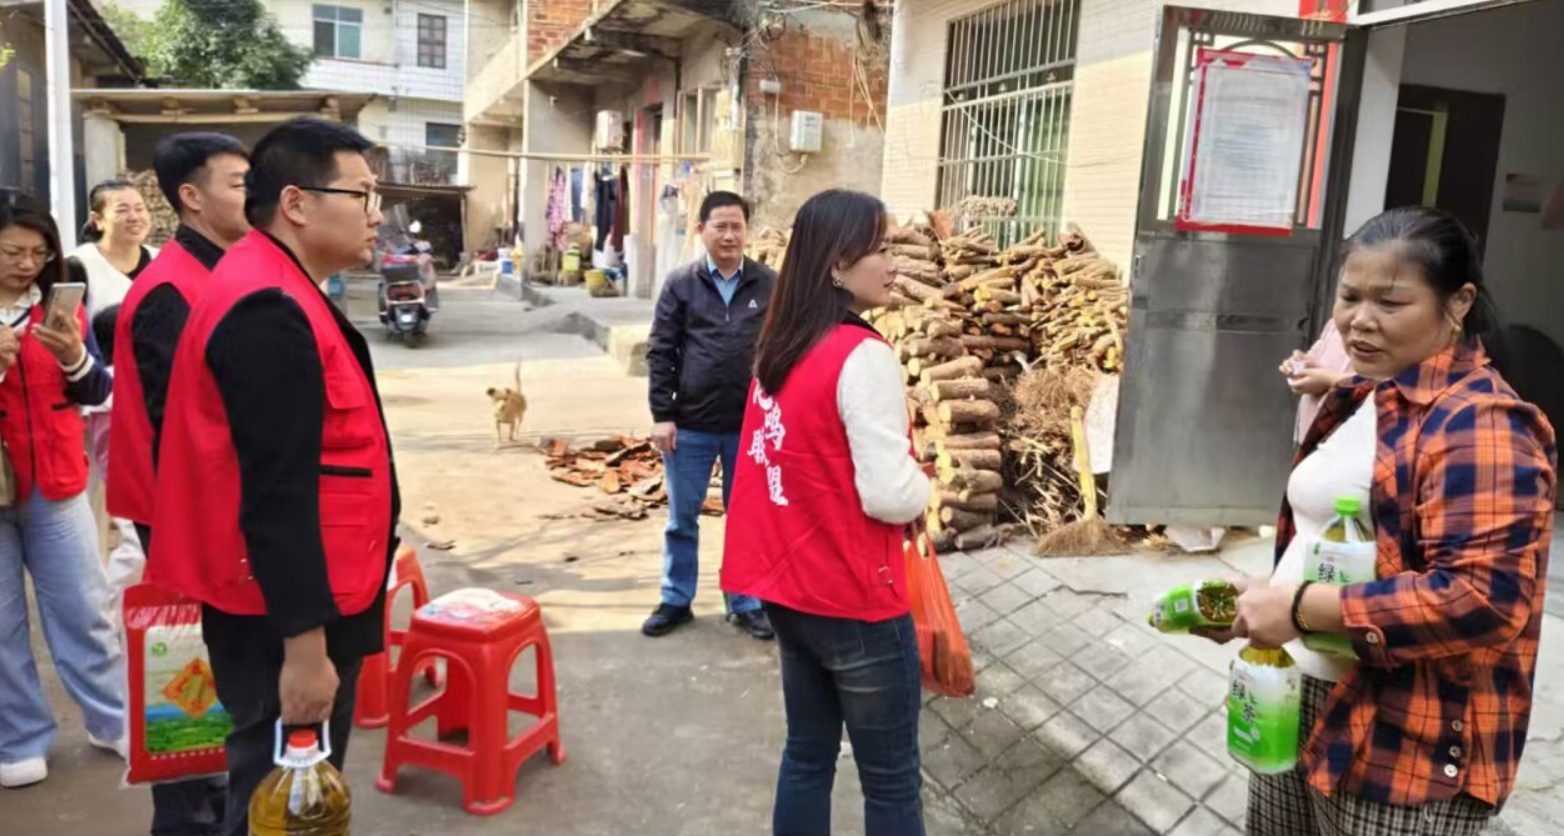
x=701 y=354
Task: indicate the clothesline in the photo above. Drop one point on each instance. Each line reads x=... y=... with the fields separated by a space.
x=629 y=159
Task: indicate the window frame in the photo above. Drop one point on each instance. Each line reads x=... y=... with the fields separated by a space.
x=332 y=15
x=426 y=45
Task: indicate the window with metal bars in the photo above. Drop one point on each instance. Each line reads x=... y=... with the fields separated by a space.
x=1005 y=116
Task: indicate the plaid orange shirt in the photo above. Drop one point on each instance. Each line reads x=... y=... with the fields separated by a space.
x=1463 y=500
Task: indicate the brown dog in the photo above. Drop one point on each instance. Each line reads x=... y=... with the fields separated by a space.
x=510 y=407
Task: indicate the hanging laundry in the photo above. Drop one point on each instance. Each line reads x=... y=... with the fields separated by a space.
x=576 y=177
x=607 y=196
x=621 y=212
x=558 y=210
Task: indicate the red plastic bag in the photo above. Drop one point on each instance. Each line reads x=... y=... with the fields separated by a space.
x=177 y=726
x=942 y=648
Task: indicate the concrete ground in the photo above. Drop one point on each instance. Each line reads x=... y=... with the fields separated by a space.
x=1085 y=720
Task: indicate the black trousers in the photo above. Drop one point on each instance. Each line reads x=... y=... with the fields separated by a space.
x=247 y=673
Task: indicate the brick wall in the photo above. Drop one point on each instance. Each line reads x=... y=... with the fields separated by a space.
x=551 y=23
x=816 y=71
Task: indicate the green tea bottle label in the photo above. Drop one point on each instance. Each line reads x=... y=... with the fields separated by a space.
x=1346 y=553
x=1263 y=699
x=1200 y=604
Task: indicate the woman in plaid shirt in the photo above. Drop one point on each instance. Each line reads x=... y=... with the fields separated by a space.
x=1423 y=734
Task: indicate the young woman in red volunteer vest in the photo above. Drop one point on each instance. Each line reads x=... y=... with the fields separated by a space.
x=47 y=373
x=824 y=488
x=276 y=496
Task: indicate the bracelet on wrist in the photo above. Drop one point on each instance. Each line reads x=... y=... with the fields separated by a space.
x=1298 y=620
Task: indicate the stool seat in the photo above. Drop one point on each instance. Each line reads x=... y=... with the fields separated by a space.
x=476 y=613
x=480 y=634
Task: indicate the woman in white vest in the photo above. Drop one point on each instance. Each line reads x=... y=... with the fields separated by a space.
x=115 y=251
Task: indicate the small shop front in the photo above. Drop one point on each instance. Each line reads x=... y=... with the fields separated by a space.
x=1271 y=139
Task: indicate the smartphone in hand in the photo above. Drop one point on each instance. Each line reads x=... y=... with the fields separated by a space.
x=64 y=299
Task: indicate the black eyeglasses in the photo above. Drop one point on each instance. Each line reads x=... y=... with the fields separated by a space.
x=371 y=199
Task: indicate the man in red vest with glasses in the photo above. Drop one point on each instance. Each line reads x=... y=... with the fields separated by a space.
x=276 y=494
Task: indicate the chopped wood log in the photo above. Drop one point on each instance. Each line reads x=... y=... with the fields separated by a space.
x=909 y=235
x=921 y=270
x=931 y=347
x=970 y=483
x=952 y=370
x=1003 y=297
x=996 y=343
x=977 y=413
x=956 y=519
x=958 y=272
x=958 y=390
x=1001 y=373
x=977 y=538
x=970 y=441
x=981 y=503
x=1006 y=319
x=974 y=459
x=917 y=290
x=915 y=251
x=944 y=542
x=940 y=327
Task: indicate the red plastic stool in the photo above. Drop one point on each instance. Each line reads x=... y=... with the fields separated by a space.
x=480 y=633
x=369 y=705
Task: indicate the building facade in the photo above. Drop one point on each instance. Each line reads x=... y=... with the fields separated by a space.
x=668 y=100
x=1038 y=101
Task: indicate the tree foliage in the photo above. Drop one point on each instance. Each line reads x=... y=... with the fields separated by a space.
x=219 y=44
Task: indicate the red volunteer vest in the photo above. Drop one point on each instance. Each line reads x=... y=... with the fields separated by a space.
x=42 y=427
x=201 y=550
x=797 y=534
x=130 y=481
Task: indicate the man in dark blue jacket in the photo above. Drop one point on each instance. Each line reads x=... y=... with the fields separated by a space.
x=699 y=358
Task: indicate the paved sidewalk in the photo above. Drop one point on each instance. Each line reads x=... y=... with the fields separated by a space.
x=1088 y=721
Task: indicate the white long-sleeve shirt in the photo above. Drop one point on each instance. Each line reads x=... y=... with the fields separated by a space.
x=872 y=402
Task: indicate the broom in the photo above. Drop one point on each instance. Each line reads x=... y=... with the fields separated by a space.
x=1091 y=534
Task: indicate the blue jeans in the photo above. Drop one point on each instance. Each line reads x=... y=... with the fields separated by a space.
x=688 y=470
x=57 y=544
x=838 y=671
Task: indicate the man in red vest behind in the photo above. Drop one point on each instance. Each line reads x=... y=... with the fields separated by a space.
x=202 y=175
x=276 y=494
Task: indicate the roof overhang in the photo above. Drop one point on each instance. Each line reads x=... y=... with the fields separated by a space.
x=174 y=106
x=613 y=47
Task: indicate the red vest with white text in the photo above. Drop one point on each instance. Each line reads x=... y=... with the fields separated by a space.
x=201 y=550
x=796 y=532
x=131 y=480
x=44 y=434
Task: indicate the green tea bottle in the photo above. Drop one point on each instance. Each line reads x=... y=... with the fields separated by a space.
x=1199 y=604
x=1345 y=553
x=1263 y=698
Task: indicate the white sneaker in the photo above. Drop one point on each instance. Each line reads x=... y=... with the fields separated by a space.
x=119 y=747
x=23 y=773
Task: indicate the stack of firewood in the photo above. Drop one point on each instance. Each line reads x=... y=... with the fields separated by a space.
x=769 y=247
x=966 y=326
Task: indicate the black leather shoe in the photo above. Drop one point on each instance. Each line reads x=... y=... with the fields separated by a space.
x=666 y=619
x=755 y=623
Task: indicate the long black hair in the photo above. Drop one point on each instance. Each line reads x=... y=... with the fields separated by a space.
x=835 y=228
x=17 y=209
x=96 y=200
x=1446 y=252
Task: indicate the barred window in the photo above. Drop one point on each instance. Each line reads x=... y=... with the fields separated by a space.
x=1005 y=115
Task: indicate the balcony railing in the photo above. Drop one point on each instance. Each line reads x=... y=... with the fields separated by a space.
x=416 y=167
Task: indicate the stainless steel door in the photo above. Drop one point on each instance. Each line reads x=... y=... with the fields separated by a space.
x=1204 y=431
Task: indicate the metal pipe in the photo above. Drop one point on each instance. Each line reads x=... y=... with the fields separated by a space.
x=62 y=152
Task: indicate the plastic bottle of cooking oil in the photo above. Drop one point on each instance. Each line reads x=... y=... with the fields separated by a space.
x=1263 y=698
x=1346 y=553
x=305 y=795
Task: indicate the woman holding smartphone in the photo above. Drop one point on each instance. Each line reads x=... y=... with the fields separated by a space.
x=49 y=368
